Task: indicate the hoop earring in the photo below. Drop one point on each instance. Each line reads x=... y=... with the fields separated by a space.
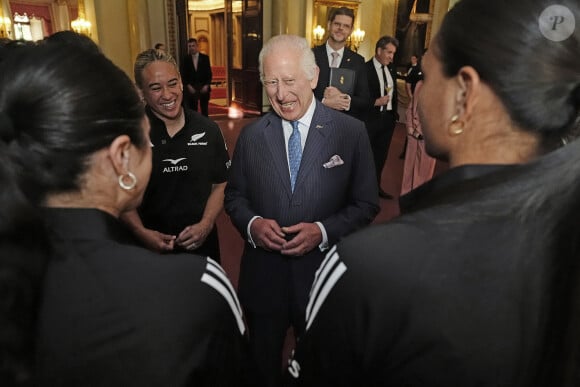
x=456 y=127
x=131 y=184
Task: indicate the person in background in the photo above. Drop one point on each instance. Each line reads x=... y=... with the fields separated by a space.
x=160 y=47
x=196 y=73
x=477 y=284
x=75 y=150
x=190 y=161
x=334 y=53
x=382 y=115
x=23 y=255
x=302 y=177
x=419 y=166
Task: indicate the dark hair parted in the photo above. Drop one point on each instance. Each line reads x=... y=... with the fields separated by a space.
x=63 y=105
x=537 y=79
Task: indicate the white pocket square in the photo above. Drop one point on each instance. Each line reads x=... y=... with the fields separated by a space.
x=334 y=161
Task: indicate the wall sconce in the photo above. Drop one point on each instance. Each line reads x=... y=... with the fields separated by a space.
x=5 y=27
x=5 y=21
x=81 y=25
x=356 y=38
x=318 y=34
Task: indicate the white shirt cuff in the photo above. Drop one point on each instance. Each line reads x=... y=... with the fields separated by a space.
x=250 y=240
x=323 y=246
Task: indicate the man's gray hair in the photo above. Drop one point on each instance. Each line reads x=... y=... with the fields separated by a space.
x=290 y=42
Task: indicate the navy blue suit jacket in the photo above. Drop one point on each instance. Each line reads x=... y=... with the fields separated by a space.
x=343 y=198
x=351 y=60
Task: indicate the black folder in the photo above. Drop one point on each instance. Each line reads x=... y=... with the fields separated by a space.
x=342 y=79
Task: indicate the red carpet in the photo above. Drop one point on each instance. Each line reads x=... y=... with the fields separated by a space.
x=215 y=110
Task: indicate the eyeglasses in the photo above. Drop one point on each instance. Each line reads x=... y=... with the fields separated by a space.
x=273 y=84
x=339 y=25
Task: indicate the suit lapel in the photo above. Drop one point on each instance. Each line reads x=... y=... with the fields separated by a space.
x=375 y=90
x=274 y=137
x=315 y=141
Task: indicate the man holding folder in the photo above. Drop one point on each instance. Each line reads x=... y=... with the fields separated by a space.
x=335 y=54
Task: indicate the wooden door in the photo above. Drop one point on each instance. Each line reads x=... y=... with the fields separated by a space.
x=244 y=32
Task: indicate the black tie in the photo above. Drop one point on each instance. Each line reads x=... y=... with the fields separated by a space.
x=386 y=83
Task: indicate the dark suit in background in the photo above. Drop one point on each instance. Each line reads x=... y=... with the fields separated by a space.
x=197 y=78
x=274 y=287
x=380 y=123
x=351 y=60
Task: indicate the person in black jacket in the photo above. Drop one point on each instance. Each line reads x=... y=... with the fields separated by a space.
x=477 y=284
x=382 y=115
x=340 y=26
x=75 y=150
x=196 y=75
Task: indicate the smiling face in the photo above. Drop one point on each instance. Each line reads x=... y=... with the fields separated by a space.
x=340 y=28
x=162 y=89
x=286 y=83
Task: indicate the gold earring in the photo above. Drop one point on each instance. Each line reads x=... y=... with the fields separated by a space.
x=456 y=127
x=130 y=184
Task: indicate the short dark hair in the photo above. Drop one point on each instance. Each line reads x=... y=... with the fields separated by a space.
x=341 y=11
x=192 y=40
x=386 y=39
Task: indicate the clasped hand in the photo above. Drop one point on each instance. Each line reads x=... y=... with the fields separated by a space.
x=335 y=99
x=193 y=236
x=267 y=234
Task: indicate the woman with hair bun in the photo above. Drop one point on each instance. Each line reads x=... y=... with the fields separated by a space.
x=477 y=284
x=75 y=154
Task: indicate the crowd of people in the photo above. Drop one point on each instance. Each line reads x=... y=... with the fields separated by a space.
x=109 y=256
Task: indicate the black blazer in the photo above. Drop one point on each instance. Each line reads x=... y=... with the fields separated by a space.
x=375 y=88
x=116 y=314
x=197 y=78
x=351 y=60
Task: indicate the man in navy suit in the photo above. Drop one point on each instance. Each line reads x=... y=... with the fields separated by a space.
x=289 y=225
x=340 y=24
x=196 y=76
x=382 y=116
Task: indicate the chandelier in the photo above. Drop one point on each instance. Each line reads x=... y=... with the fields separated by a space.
x=81 y=25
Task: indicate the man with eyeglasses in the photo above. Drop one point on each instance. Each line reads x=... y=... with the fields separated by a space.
x=302 y=177
x=334 y=53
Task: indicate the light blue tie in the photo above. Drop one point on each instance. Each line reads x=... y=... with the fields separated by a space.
x=294 y=153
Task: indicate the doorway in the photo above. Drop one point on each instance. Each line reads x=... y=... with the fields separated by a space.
x=230 y=32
